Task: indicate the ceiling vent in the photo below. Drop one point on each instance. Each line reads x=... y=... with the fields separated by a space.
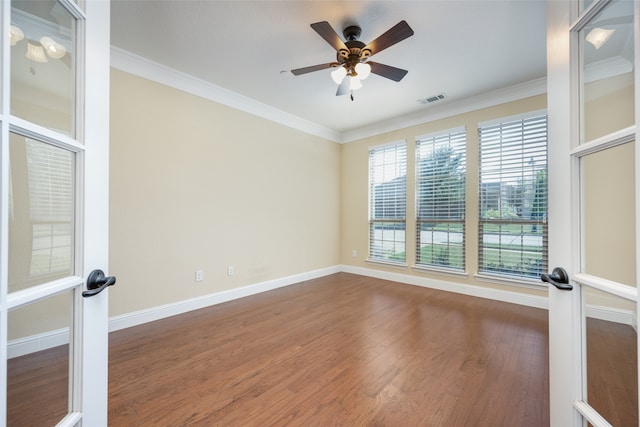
x=431 y=99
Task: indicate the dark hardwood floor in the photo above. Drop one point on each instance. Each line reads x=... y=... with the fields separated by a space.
x=612 y=371
x=38 y=386
x=343 y=350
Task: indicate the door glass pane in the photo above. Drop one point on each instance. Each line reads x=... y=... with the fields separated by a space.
x=41 y=212
x=606 y=46
x=38 y=366
x=612 y=379
x=42 y=64
x=609 y=214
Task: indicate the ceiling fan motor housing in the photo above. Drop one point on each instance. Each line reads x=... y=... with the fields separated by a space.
x=355 y=54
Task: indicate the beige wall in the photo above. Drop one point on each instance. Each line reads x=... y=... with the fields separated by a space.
x=197 y=185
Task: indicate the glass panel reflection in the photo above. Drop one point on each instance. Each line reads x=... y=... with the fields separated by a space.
x=611 y=360
x=42 y=64
x=609 y=214
x=607 y=50
x=41 y=206
x=38 y=365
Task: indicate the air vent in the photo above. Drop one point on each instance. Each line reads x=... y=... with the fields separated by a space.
x=431 y=99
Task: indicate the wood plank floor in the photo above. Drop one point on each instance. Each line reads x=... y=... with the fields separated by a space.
x=343 y=350
x=612 y=374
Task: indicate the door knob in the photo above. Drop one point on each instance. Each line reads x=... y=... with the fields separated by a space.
x=97 y=282
x=558 y=278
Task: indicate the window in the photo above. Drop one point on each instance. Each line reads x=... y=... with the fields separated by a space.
x=513 y=196
x=387 y=202
x=440 y=199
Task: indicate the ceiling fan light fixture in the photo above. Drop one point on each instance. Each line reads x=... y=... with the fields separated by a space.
x=35 y=52
x=338 y=74
x=54 y=49
x=363 y=70
x=599 y=36
x=15 y=34
x=354 y=83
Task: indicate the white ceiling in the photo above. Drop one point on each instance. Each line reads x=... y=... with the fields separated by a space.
x=462 y=48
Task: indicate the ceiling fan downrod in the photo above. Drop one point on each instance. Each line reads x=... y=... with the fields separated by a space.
x=352 y=32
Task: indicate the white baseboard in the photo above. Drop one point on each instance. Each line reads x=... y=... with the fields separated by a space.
x=616 y=315
x=33 y=343
x=43 y=341
x=38 y=342
x=155 y=313
x=459 y=288
x=625 y=317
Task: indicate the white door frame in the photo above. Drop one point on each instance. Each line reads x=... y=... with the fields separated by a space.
x=566 y=321
x=88 y=400
x=96 y=210
x=559 y=98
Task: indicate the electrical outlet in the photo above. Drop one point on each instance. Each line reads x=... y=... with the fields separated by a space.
x=230 y=270
x=354 y=253
x=199 y=275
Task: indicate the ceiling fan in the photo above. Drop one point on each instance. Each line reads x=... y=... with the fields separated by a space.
x=352 y=56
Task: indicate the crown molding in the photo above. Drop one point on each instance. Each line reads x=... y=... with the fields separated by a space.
x=485 y=100
x=607 y=68
x=142 y=67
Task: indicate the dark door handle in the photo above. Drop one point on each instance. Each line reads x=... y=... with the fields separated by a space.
x=97 y=282
x=558 y=278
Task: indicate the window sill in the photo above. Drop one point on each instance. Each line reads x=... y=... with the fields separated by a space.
x=443 y=271
x=513 y=281
x=399 y=265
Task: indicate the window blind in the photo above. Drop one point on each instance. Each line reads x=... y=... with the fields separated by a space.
x=387 y=202
x=513 y=197
x=51 y=201
x=440 y=199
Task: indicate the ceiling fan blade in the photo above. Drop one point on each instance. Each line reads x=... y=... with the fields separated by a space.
x=393 y=73
x=343 y=88
x=395 y=34
x=327 y=32
x=305 y=70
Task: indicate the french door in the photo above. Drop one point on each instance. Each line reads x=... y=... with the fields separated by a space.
x=54 y=155
x=594 y=190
